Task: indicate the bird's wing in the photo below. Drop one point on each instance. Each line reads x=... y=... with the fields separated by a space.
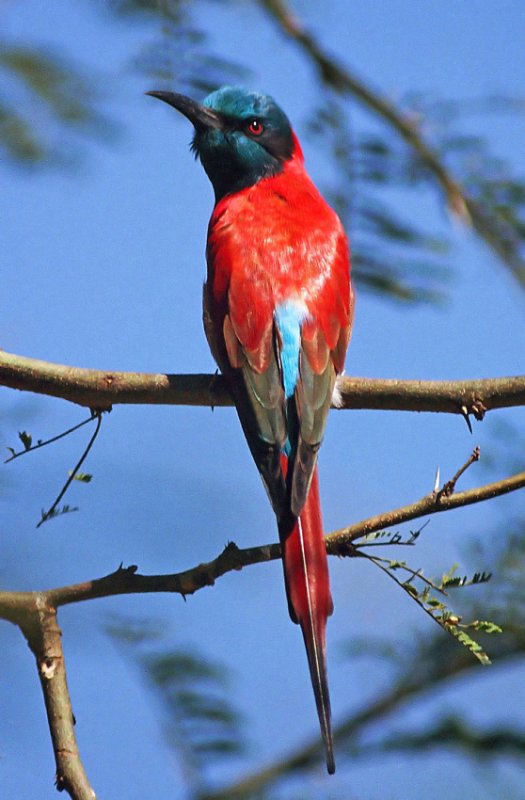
x=240 y=328
x=324 y=340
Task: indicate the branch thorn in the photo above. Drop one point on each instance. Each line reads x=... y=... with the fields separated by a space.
x=466 y=417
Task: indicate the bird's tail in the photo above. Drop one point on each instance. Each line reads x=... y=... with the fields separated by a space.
x=309 y=599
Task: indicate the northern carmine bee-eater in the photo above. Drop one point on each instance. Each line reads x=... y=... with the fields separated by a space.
x=278 y=308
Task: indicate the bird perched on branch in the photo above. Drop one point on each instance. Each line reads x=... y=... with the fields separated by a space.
x=278 y=308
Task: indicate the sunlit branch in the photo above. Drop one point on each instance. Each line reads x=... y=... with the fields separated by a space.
x=37 y=620
x=100 y=389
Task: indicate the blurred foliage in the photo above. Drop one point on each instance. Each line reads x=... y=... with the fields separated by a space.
x=452 y=732
x=45 y=105
x=489 y=179
x=203 y=727
x=200 y=723
x=421 y=666
x=424 y=665
x=179 y=52
x=392 y=255
x=507 y=447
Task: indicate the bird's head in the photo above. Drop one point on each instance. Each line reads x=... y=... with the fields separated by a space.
x=240 y=136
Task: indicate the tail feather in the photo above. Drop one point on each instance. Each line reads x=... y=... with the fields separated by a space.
x=309 y=600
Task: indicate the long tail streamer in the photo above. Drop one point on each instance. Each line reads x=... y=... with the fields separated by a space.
x=309 y=600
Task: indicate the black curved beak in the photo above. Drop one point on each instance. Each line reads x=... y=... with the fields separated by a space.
x=202 y=118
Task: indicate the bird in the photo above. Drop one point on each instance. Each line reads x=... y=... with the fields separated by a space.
x=278 y=308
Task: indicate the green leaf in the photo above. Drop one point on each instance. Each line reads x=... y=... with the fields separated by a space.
x=83 y=477
x=57 y=512
x=60 y=102
x=468 y=642
x=485 y=625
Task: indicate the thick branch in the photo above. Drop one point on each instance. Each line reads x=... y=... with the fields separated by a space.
x=494 y=231
x=38 y=622
x=101 y=389
x=126 y=580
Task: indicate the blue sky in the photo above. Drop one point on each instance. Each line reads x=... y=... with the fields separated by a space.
x=102 y=267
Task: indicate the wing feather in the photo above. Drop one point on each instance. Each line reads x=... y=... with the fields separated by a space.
x=324 y=339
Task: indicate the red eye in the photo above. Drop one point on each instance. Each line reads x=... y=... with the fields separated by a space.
x=255 y=127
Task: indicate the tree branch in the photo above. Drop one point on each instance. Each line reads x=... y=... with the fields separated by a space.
x=52 y=512
x=100 y=389
x=494 y=231
x=126 y=580
x=432 y=503
x=52 y=440
x=38 y=622
x=35 y=615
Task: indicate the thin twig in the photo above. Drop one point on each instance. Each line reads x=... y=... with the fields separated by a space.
x=414 y=573
x=383 y=539
x=413 y=596
x=450 y=485
x=49 y=441
x=51 y=513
